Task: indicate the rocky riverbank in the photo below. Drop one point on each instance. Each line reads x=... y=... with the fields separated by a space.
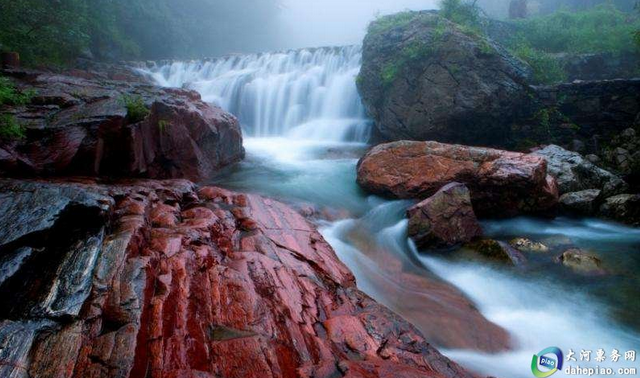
x=109 y=276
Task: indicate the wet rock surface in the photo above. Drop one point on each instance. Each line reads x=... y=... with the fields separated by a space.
x=502 y=183
x=574 y=173
x=162 y=279
x=445 y=219
x=584 y=202
x=581 y=262
x=497 y=251
x=425 y=78
x=623 y=208
x=85 y=126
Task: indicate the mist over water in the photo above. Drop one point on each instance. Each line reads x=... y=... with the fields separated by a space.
x=309 y=23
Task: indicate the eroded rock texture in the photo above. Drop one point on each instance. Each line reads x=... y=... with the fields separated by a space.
x=502 y=183
x=158 y=279
x=92 y=126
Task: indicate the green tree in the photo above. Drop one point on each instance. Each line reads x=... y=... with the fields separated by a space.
x=44 y=31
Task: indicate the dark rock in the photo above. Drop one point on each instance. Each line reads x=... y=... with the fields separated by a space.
x=581 y=262
x=599 y=66
x=10 y=59
x=497 y=251
x=502 y=183
x=425 y=78
x=574 y=173
x=445 y=219
x=156 y=278
x=77 y=126
x=584 y=202
x=623 y=208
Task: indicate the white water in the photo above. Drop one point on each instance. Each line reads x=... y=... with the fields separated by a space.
x=306 y=128
x=302 y=94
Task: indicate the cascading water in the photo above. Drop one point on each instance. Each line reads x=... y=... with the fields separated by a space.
x=300 y=94
x=306 y=129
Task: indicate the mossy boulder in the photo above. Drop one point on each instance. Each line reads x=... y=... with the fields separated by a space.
x=426 y=78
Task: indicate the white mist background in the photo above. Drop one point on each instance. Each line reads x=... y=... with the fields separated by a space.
x=315 y=23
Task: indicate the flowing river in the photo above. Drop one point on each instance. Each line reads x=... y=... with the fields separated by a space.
x=305 y=129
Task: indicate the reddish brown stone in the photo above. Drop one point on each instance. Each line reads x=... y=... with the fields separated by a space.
x=502 y=183
x=196 y=298
x=445 y=219
x=77 y=126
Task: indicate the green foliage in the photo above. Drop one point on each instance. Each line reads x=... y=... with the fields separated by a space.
x=546 y=69
x=386 y=23
x=9 y=95
x=44 y=31
x=599 y=29
x=56 y=32
x=462 y=12
x=136 y=109
x=10 y=128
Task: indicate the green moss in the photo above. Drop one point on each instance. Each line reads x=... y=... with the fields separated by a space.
x=546 y=69
x=413 y=52
x=9 y=95
x=10 y=128
x=136 y=109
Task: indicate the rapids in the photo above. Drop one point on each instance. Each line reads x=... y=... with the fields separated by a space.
x=306 y=129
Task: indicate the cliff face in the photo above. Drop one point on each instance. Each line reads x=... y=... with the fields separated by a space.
x=161 y=279
x=89 y=125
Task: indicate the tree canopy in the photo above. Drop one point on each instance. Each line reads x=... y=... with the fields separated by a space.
x=58 y=31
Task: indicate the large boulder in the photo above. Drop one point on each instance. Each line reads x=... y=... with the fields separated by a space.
x=160 y=279
x=575 y=173
x=426 y=78
x=78 y=126
x=445 y=219
x=502 y=183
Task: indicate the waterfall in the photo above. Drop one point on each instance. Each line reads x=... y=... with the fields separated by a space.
x=299 y=94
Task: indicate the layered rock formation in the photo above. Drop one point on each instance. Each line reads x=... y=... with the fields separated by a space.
x=425 y=78
x=159 y=279
x=502 y=183
x=81 y=126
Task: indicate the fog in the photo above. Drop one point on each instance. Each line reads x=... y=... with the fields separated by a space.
x=312 y=23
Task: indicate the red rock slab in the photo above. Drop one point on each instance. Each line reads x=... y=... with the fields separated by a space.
x=502 y=183
x=217 y=299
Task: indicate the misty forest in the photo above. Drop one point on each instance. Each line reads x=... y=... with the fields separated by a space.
x=319 y=188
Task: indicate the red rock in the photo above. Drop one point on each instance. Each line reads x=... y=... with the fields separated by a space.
x=502 y=183
x=80 y=126
x=445 y=219
x=166 y=300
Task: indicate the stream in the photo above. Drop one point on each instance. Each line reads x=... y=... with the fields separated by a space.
x=305 y=130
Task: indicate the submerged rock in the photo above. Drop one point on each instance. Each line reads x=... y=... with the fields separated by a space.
x=158 y=278
x=623 y=208
x=574 y=173
x=581 y=262
x=77 y=126
x=497 y=251
x=584 y=202
x=527 y=245
x=502 y=183
x=426 y=78
x=444 y=219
